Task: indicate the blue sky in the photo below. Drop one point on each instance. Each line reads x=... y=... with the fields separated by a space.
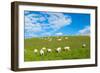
x=40 y=24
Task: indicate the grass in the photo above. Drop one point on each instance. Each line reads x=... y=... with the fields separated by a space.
x=75 y=43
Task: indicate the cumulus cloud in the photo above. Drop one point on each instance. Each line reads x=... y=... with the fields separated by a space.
x=85 y=31
x=45 y=22
x=58 y=20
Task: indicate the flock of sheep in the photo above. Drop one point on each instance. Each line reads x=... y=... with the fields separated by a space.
x=48 y=50
x=44 y=50
x=58 y=39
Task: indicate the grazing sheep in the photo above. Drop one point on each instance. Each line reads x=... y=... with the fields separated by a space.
x=83 y=45
x=66 y=37
x=50 y=39
x=41 y=52
x=35 y=50
x=58 y=49
x=45 y=39
x=43 y=48
x=49 y=50
x=59 y=39
x=67 y=48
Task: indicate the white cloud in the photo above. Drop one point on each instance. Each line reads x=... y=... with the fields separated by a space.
x=59 y=34
x=37 y=22
x=30 y=26
x=85 y=31
x=58 y=20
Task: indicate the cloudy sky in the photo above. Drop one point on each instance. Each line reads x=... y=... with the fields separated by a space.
x=40 y=24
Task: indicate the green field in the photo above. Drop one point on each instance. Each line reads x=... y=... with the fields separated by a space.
x=75 y=43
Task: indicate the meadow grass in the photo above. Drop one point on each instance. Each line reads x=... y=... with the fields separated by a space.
x=74 y=42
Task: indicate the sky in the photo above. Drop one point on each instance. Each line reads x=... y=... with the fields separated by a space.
x=42 y=24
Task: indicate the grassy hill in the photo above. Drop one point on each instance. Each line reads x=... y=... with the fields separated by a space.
x=74 y=42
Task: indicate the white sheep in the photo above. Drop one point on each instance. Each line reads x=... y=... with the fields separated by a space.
x=44 y=48
x=49 y=50
x=41 y=52
x=50 y=39
x=58 y=49
x=59 y=39
x=84 y=45
x=35 y=50
x=66 y=37
x=45 y=39
x=67 y=48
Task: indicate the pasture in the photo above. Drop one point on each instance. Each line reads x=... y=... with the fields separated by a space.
x=74 y=42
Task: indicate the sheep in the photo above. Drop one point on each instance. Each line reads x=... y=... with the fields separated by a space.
x=59 y=39
x=58 y=49
x=41 y=52
x=66 y=37
x=50 y=39
x=67 y=48
x=45 y=39
x=83 y=45
x=49 y=50
x=43 y=48
x=35 y=50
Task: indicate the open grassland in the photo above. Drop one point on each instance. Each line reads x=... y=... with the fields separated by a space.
x=74 y=42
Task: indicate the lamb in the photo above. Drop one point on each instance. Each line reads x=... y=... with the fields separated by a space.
x=49 y=50
x=43 y=48
x=35 y=50
x=66 y=38
x=45 y=39
x=83 y=45
x=59 y=39
x=50 y=39
x=41 y=52
x=58 y=49
x=67 y=48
